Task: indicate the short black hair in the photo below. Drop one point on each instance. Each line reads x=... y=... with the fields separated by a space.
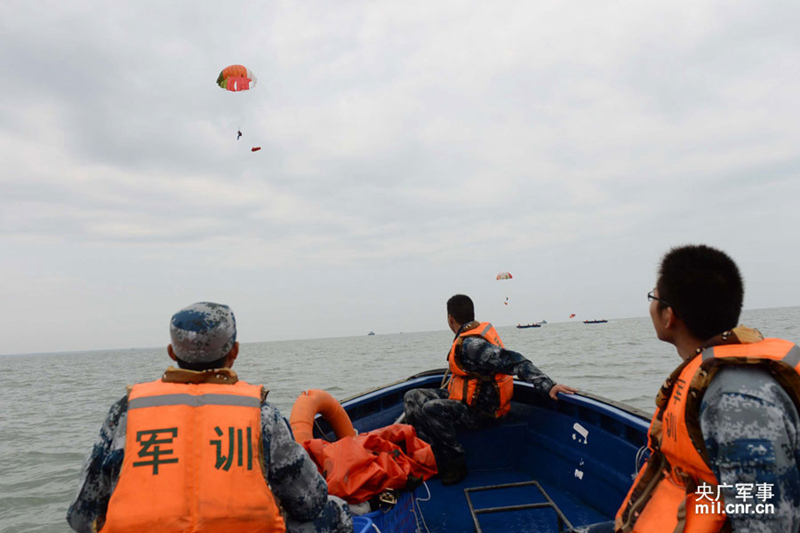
x=211 y=365
x=460 y=307
x=704 y=288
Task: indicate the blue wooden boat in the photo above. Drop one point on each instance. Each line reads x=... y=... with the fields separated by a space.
x=547 y=466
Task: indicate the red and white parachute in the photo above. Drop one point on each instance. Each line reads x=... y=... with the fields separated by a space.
x=501 y=276
x=237 y=78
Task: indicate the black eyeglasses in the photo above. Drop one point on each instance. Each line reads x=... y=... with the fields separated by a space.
x=651 y=296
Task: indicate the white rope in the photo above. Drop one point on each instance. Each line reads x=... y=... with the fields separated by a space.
x=639 y=455
x=418 y=508
x=425 y=484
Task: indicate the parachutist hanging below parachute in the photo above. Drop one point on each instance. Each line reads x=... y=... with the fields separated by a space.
x=504 y=276
x=237 y=78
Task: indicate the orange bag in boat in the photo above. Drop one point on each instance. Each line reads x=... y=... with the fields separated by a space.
x=358 y=468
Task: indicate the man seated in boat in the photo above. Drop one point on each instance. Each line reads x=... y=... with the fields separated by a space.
x=201 y=450
x=478 y=393
x=726 y=429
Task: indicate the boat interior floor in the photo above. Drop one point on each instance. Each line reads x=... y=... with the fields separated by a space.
x=448 y=509
x=581 y=453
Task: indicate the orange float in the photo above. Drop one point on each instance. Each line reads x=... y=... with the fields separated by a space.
x=313 y=402
x=358 y=467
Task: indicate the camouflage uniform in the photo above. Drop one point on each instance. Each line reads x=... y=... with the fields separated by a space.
x=291 y=474
x=204 y=333
x=437 y=418
x=750 y=427
x=751 y=430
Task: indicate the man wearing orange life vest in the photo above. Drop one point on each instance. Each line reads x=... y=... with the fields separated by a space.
x=199 y=450
x=478 y=393
x=726 y=429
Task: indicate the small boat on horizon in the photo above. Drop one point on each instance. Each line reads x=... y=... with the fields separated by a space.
x=601 y=321
x=534 y=325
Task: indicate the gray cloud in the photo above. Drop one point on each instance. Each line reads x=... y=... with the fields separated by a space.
x=409 y=151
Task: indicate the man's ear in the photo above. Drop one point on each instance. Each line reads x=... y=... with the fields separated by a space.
x=232 y=355
x=171 y=353
x=670 y=318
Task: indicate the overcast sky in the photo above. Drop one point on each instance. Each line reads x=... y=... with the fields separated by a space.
x=410 y=151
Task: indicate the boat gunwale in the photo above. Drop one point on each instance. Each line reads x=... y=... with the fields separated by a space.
x=622 y=426
x=613 y=408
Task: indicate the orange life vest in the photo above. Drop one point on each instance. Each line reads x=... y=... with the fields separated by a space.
x=193 y=462
x=664 y=496
x=465 y=386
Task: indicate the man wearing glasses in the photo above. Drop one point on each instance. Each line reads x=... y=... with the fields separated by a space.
x=724 y=440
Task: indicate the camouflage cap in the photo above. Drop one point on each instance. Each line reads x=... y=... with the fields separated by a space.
x=202 y=332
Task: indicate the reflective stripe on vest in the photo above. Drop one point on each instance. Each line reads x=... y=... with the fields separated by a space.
x=664 y=497
x=466 y=386
x=193 y=462
x=193 y=400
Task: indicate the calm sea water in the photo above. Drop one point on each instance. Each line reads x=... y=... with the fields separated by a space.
x=52 y=405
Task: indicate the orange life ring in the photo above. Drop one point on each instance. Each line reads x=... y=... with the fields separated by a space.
x=313 y=402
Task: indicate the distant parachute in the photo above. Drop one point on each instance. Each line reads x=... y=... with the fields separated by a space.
x=504 y=276
x=572 y=315
x=236 y=78
x=255 y=148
